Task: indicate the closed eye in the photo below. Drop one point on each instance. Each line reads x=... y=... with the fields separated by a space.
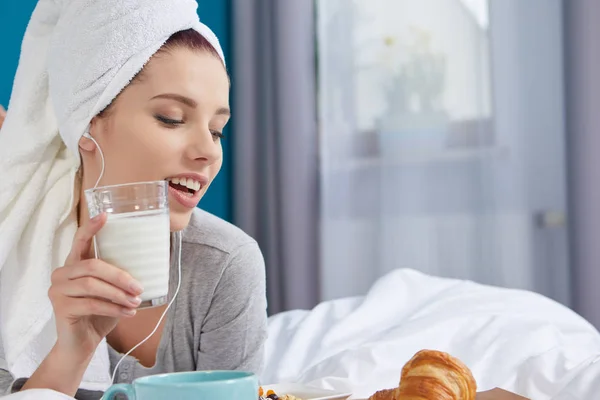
x=218 y=134
x=171 y=123
x=168 y=121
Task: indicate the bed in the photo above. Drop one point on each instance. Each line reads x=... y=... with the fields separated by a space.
x=517 y=340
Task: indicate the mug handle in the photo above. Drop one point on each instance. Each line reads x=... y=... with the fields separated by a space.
x=123 y=388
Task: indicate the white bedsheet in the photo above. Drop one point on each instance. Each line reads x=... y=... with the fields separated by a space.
x=517 y=340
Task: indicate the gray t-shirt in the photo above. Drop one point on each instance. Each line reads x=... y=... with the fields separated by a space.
x=219 y=318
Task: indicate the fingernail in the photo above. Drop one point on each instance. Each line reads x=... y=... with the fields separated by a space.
x=128 y=312
x=136 y=287
x=96 y=218
x=134 y=301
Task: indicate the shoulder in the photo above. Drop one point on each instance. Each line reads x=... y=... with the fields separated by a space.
x=213 y=233
x=223 y=260
x=221 y=248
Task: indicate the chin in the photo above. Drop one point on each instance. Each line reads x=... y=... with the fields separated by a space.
x=179 y=220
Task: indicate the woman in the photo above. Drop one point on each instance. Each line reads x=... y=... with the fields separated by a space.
x=166 y=123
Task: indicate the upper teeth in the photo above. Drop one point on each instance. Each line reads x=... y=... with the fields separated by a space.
x=188 y=182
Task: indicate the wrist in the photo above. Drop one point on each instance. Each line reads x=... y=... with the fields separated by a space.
x=73 y=355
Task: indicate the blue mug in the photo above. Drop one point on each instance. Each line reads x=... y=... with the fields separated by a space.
x=200 y=385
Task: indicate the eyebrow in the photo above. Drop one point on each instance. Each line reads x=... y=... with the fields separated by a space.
x=189 y=102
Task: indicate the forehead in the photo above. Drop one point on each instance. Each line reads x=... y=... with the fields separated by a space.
x=193 y=73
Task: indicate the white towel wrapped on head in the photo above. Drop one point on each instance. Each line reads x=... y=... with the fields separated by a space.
x=76 y=57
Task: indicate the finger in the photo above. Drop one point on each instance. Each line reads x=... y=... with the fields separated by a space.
x=108 y=273
x=87 y=306
x=93 y=287
x=58 y=275
x=83 y=238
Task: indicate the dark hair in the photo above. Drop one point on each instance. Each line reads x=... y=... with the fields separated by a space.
x=192 y=40
x=188 y=38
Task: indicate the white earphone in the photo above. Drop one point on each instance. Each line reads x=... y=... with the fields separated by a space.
x=86 y=134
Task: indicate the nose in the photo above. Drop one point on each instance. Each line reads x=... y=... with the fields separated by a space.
x=202 y=146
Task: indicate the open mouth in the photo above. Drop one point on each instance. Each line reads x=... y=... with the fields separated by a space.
x=186 y=186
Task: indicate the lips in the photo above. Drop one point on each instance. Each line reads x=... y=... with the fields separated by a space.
x=187 y=189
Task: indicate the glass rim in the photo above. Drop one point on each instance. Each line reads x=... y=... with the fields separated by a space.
x=107 y=187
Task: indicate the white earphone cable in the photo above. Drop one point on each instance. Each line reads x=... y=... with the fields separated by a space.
x=87 y=135
x=179 y=234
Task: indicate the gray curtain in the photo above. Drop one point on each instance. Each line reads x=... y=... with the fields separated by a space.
x=582 y=33
x=275 y=143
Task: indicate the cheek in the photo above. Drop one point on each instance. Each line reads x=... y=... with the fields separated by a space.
x=216 y=167
x=149 y=151
x=161 y=146
x=141 y=153
x=213 y=171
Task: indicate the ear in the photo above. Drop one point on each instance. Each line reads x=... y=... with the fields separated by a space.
x=87 y=143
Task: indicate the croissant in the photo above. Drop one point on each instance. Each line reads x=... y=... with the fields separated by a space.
x=432 y=375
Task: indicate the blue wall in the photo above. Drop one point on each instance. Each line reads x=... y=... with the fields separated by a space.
x=14 y=16
x=215 y=14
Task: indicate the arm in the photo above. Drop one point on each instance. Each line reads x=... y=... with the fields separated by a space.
x=235 y=328
x=48 y=374
x=60 y=371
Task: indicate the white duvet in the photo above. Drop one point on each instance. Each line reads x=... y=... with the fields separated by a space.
x=513 y=339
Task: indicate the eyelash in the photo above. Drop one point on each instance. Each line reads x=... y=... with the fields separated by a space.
x=172 y=123
x=168 y=121
x=218 y=134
